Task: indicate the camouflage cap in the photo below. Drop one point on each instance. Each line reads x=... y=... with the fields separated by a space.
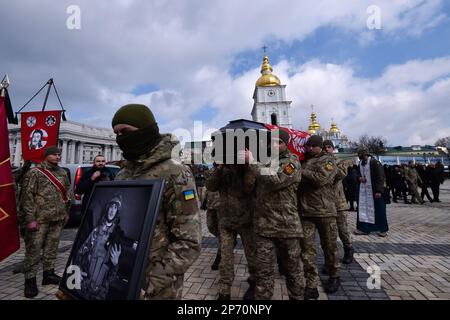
x=315 y=141
x=283 y=135
x=51 y=150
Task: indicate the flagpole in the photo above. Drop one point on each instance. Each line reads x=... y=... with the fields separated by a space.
x=49 y=83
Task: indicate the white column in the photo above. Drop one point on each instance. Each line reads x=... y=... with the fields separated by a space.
x=80 y=153
x=17 y=153
x=72 y=151
x=64 y=152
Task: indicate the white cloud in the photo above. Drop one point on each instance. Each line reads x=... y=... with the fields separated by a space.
x=186 y=48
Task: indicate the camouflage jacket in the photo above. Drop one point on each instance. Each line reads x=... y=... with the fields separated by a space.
x=40 y=199
x=341 y=201
x=412 y=177
x=317 y=193
x=177 y=237
x=235 y=201
x=276 y=213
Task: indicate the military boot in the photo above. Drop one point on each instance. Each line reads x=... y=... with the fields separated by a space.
x=311 y=293
x=348 y=256
x=215 y=265
x=31 y=289
x=333 y=285
x=50 y=277
x=250 y=293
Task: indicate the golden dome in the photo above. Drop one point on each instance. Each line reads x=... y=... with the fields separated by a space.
x=267 y=78
x=314 y=126
x=334 y=128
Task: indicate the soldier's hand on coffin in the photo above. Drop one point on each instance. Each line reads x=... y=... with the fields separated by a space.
x=116 y=250
x=32 y=226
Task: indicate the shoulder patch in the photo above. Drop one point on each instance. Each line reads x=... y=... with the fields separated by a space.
x=329 y=166
x=189 y=194
x=289 y=168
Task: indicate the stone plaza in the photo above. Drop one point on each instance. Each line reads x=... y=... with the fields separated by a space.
x=414 y=261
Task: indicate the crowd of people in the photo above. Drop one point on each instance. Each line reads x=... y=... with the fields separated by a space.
x=403 y=180
x=275 y=208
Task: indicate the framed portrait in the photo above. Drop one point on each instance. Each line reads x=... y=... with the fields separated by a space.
x=109 y=254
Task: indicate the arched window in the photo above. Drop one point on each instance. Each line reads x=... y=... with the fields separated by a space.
x=273 y=119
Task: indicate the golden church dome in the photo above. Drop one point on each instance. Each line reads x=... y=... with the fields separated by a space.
x=334 y=128
x=267 y=78
x=314 y=126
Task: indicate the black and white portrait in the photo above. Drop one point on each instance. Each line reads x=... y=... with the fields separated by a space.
x=110 y=238
x=37 y=139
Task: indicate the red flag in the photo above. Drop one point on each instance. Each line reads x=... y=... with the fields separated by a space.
x=38 y=131
x=9 y=230
x=296 y=142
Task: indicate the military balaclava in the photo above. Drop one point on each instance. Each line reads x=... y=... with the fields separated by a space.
x=136 y=143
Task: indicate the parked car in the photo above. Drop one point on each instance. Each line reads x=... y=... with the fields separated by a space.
x=75 y=171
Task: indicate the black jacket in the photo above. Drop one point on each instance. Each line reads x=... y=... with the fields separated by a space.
x=85 y=185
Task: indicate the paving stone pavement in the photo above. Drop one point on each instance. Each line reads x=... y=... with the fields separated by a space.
x=414 y=261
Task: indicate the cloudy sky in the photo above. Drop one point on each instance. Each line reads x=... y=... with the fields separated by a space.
x=198 y=61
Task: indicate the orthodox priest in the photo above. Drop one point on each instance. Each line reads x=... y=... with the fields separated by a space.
x=371 y=205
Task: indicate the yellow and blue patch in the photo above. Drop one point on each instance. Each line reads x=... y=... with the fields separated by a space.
x=189 y=195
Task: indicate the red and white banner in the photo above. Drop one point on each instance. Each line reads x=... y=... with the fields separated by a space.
x=38 y=131
x=9 y=229
x=296 y=142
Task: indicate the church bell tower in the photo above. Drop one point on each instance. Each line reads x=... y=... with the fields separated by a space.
x=270 y=105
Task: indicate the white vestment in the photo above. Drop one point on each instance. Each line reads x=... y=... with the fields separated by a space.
x=366 y=207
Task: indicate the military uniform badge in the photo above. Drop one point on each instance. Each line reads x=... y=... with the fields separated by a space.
x=188 y=195
x=329 y=166
x=289 y=168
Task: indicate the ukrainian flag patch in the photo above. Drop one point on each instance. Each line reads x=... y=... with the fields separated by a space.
x=188 y=195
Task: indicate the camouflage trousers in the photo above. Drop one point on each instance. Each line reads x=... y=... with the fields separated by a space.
x=414 y=192
x=344 y=234
x=289 y=251
x=327 y=228
x=227 y=244
x=42 y=243
x=160 y=290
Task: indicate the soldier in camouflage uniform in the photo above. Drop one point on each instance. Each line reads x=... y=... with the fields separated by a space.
x=177 y=237
x=235 y=219
x=44 y=210
x=212 y=221
x=413 y=180
x=276 y=221
x=318 y=212
x=341 y=204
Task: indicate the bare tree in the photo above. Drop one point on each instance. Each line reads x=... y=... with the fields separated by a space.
x=375 y=145
x=443 y=142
